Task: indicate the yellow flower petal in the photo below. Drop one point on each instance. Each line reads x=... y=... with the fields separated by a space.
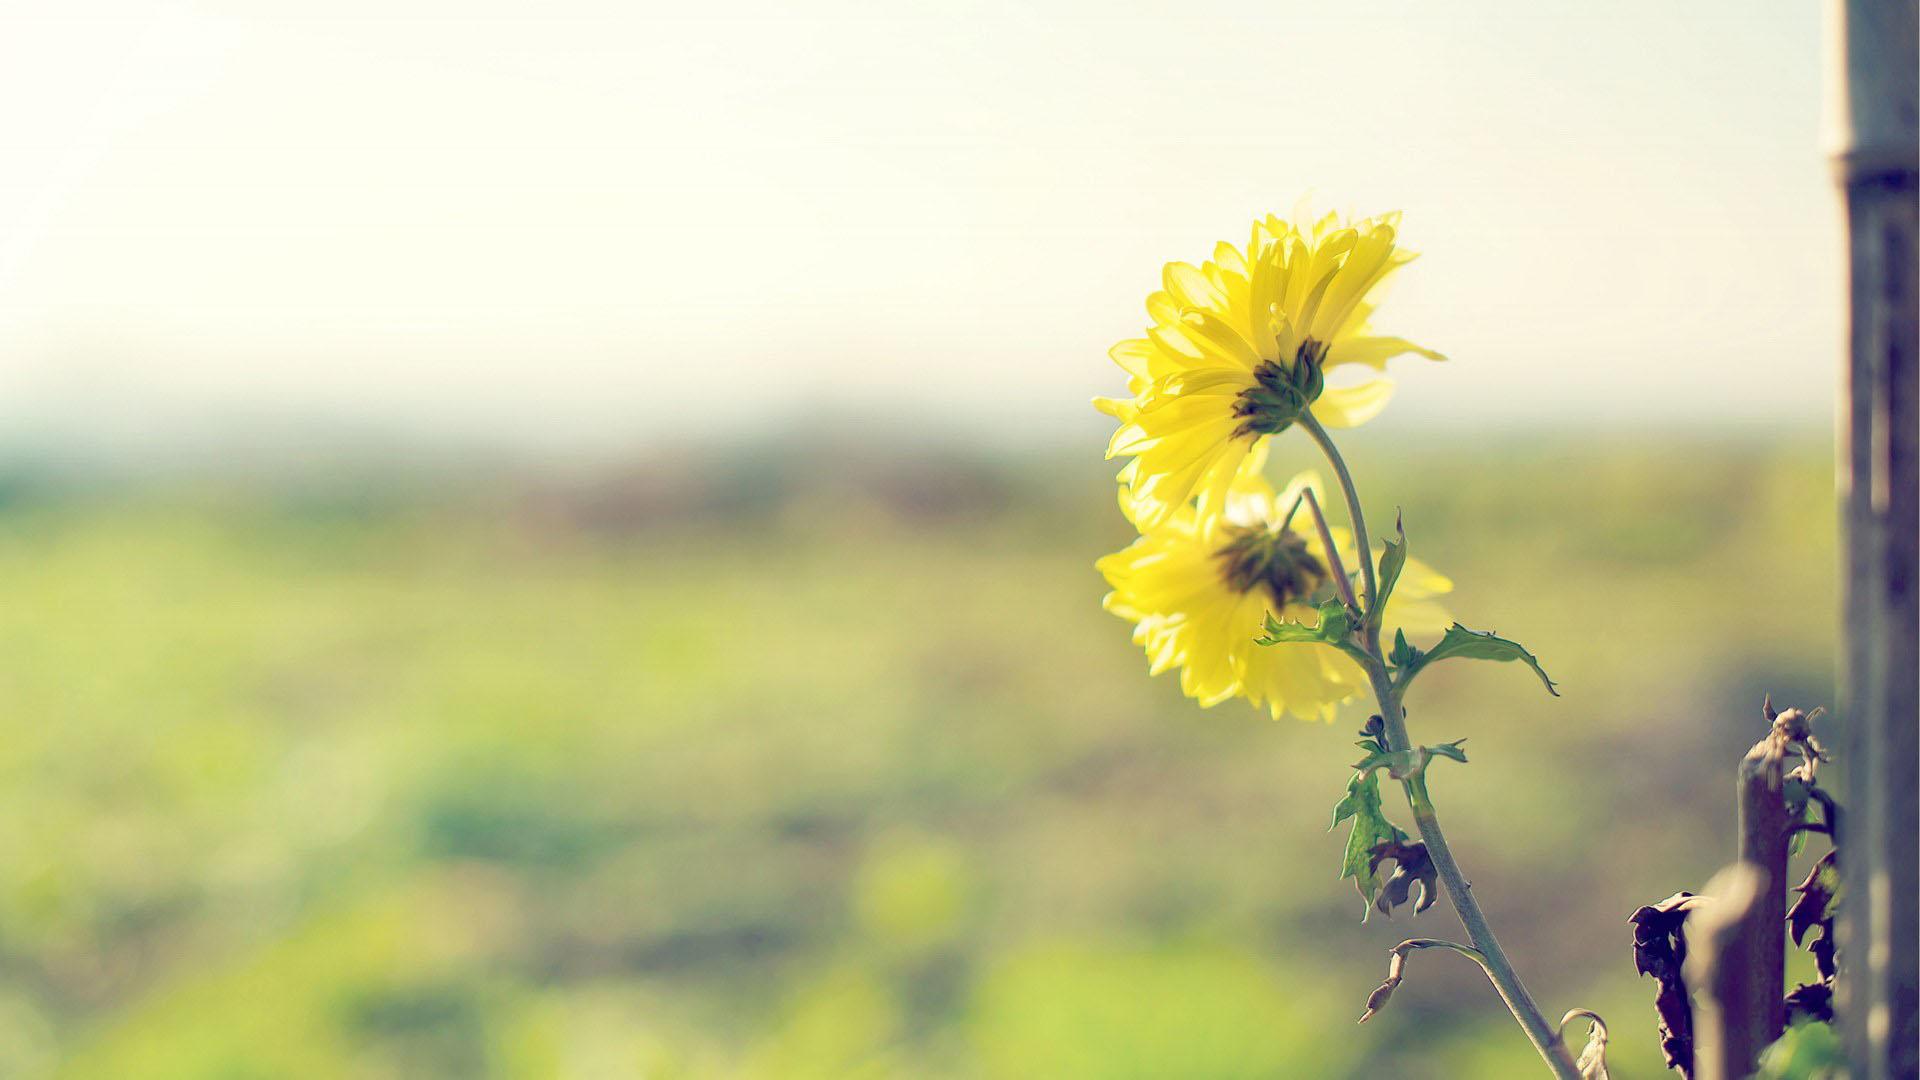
x=1174 y=584
x=1374 y=351
x=1351 y=406
x=1208 y=383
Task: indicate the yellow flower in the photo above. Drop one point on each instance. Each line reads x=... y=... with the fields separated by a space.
x=1240 y=346
x=1198 y=590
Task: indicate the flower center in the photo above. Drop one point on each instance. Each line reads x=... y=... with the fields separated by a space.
x=1277 y=561
x=1282 y=392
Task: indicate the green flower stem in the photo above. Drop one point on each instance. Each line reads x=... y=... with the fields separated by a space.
x=1360 y=541
x=1334 y=565
x=1294 y=508
x=1540 y=1032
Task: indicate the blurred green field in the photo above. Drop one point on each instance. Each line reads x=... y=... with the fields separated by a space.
x=829 y=764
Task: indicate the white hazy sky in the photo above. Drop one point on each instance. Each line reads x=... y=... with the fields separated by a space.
x=578 y=226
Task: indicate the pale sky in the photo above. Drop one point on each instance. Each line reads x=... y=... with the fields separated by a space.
x=589 y=226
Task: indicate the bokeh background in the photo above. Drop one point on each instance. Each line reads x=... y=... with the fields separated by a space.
x=556 y=540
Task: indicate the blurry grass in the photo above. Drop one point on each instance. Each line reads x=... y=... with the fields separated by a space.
x=833 y=767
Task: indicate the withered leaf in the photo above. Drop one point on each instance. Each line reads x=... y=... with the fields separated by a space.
x=1660 y=951
x=1810 y=1001
x=1412 y=866
x=1816 y=907
x=1593 y=1056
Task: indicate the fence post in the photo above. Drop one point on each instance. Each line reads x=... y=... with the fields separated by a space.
x=1720 y=971
x=1763 y=823
x=1878 y=143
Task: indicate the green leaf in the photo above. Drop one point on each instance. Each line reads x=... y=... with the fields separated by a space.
x=1474 y=645
x=1333 y=629
x=1403 y=655
x=1799 y=810
x=1396 y=762
x=1806 y=1050
x=1370 y=829
x=1393 y=559
x=1401 y=764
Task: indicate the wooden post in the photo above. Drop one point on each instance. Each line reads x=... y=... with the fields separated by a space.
x=1879 y=719
x=1719 y=968
x=1763 y=845
x=1737 y=964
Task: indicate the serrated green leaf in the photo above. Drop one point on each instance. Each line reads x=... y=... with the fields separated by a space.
x=1450 y=750
x=1393 y=559
x=1370 y=829
x=1460 y=642
x=1332 y=629
x=1350 y=805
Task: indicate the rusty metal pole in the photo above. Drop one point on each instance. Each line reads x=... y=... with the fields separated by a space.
x=1876 y=156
